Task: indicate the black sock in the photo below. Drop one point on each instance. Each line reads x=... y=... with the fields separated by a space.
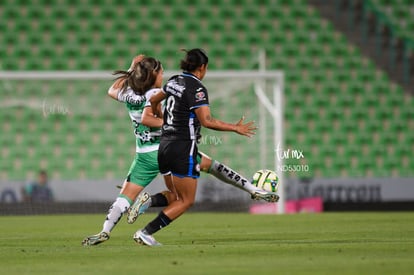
x=158 y=223
x=159 y=200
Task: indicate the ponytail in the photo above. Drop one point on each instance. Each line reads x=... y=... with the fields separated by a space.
x=142 y=76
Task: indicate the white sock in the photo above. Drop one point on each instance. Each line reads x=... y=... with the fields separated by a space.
x=115 y=212
x=226 y=174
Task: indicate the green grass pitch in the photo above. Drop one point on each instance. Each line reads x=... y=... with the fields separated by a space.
x=211 y=243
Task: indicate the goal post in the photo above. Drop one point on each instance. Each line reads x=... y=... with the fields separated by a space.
x=268 y=88
x=55 y=99
x=276 y=111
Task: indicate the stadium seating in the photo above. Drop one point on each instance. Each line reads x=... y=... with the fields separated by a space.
x=350 y=119
x=400 y=14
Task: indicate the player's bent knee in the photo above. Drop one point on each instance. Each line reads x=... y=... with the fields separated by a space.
x=189 y=203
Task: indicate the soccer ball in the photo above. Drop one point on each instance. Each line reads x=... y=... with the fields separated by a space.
x=266 y=180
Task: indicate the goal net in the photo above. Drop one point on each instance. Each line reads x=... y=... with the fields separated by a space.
x=64 y=123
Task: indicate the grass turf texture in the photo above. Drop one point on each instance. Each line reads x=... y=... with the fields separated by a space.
x=207 y=243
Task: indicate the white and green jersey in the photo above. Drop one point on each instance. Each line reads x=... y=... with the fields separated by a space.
x=147 y=138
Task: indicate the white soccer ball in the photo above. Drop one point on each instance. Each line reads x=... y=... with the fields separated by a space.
x=266 y=180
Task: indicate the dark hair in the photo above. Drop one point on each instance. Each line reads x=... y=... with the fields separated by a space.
x=42 y=172
x=193 y=59
x=142 y=77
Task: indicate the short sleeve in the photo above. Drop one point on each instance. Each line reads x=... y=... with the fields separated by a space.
x=129 y=96
x=149 y=94
x=198 y=97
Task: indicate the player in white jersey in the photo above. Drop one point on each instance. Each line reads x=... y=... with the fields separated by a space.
x=134 y=87
x=145 y=165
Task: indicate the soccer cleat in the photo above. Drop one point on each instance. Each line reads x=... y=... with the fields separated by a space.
x=139 y=207
x=142 y=238
x=266 y=196
x=95 y=239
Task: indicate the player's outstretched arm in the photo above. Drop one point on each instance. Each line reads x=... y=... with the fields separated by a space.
x=206 y=120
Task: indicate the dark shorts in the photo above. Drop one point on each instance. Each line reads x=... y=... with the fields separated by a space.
x=179 y=158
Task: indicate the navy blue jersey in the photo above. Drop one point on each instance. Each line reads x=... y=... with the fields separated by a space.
x=185 y=93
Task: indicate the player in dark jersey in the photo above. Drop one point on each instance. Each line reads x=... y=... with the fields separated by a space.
x=186 y=110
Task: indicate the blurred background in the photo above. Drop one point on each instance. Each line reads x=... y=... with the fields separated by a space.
x=348 y=96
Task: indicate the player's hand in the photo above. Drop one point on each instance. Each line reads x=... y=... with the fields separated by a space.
x=245 y=129
x=136 y=59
